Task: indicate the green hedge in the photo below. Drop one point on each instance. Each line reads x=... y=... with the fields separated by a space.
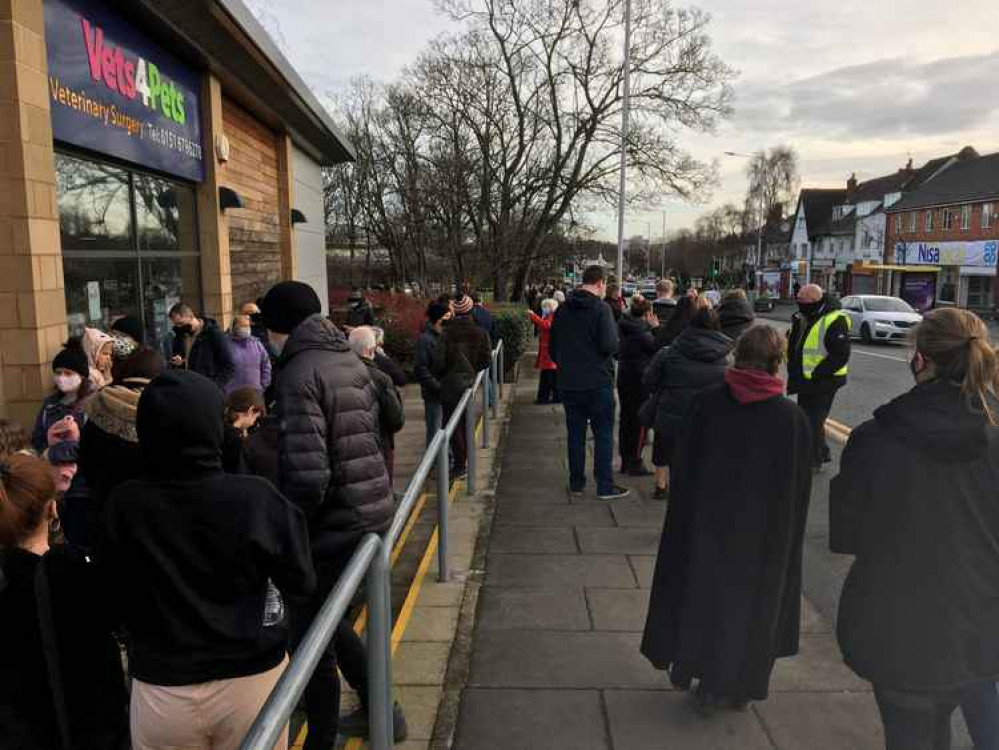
x=514 y=329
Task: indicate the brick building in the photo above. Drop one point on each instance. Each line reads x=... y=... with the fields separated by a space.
x=151 y=151
x=942 y=240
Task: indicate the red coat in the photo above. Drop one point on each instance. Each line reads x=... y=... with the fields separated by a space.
x=544 y=361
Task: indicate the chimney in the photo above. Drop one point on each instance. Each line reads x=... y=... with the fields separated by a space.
x=851 y=184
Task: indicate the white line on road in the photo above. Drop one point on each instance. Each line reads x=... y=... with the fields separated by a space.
x=879 y=356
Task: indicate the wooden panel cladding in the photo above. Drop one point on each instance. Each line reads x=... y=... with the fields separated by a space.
x=255 y=229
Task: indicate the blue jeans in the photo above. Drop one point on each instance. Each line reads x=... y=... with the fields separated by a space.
x=433 y=413
x=596 y=408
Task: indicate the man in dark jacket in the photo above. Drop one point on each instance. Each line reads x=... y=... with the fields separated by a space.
x=818 y=359
x=665 y=303
x=391 y=416
x=583 y=343
x=735 y=314
x=464 y=350
x=426 y=353
x=200 y=346
x=359 y=310
x=331 y=466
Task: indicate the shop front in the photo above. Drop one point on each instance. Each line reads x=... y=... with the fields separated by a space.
x=947 y=273
x=154 y=152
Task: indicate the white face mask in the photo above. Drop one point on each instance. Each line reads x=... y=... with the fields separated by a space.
x=68 y=383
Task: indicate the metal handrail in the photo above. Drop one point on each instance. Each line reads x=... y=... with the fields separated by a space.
x=372 y=562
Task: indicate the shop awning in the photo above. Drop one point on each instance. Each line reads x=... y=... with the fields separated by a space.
x=910 y=269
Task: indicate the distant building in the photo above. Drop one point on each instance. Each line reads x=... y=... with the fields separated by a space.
x=942 y=239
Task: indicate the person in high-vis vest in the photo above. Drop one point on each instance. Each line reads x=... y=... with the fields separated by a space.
x=818 y=361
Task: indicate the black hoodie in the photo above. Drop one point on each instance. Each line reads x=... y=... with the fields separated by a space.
x=915 y=501
x=188 y=551
x=583 y=343
x=637 y=347
x=735 y=315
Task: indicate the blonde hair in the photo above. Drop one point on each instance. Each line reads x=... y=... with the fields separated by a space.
x=957 y=343
x=549 y=305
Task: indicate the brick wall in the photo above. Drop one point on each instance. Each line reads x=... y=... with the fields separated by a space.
x=254 y=230
x=974 y=232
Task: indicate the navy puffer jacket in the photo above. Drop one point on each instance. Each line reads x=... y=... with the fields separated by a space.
x=330 y=461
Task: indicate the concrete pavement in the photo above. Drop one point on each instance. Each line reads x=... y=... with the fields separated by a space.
x=554 y=659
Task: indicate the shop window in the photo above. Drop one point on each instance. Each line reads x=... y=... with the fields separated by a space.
x=965 y=218
x=929 y=221
x=948 y=284
x=129 y=242
x=979 y=292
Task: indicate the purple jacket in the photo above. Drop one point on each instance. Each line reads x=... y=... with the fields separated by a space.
x=253 y=366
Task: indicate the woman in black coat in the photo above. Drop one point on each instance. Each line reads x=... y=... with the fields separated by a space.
x=695 y=362
x=635 y=351
x=915 y=502
x=725 y=600
x=51 y=626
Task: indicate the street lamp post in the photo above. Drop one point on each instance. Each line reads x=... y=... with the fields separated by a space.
x=625 y=107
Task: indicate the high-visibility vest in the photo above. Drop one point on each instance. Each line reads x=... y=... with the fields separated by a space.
x=814 y=351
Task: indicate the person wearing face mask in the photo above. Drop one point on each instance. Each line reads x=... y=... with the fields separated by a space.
x=915 y=504
x=200 y=346
x=71 y=378
x=257 y=327
x=250 y=358
x=818 y=361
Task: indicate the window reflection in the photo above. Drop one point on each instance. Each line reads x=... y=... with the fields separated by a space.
x=99 y=290
x=164 y=214
x=94 y=211
x=167 y=281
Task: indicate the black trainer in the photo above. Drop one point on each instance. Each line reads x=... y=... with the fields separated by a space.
x=355 y=724
x=615 y=493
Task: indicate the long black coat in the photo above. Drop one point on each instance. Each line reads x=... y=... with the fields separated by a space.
x=915 y=501
x=725 y=600
x=330 y=459
x=695 y=362
x=635 y=351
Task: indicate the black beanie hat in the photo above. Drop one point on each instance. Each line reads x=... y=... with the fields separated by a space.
x=130 y=326
x=287 y=304
x=72 y=357
x=436 y=311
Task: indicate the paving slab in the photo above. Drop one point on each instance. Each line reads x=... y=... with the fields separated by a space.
x=661 y=720
x=435 y=624
x=532 y=609
x=644 y=567
x=822 y=721
x=531 y=720
x=420 y=705
x=630 y=512
x=547 y=659
x=635 y=541
x=434 y=594
x=558 y=571
x=533 y=539
x=574 y=514
x=420 y=663
x=818 y=667
x=812 y=620
x=618 y=609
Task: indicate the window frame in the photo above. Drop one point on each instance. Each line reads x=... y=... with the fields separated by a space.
x=930 y=220
x=898 y=224
x=965 y=218
x=948 y=220
x=914 y=222
x=988 y=214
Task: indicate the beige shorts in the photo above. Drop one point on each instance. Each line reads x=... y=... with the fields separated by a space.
x=211 y=716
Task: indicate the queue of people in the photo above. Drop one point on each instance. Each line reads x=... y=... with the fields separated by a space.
x=208 y=598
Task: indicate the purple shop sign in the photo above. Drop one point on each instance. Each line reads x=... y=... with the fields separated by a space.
x=920 y=290
x=115 y=91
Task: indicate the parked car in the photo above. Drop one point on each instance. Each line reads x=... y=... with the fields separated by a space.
x=876 y=317
x=647 y=290
x=628 y=288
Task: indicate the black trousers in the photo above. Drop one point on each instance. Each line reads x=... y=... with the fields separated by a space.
x=548 y=387
x=459 y=448
x=629 y=431
x=817 y=407
x=921 y=721
x=346 y=651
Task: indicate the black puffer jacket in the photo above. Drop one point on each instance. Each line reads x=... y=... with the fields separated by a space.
x=635 y=351
x=915 y=502
x=330 y=460
x=695 y=362
x=736 y=316
x=426 y=357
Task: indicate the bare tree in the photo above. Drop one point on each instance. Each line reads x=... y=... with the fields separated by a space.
x=773 y=176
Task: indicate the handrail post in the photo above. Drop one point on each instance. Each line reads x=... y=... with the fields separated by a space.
x=486 y=386
x=443 y=490
x=380 y=650
x=502 y=367
x=470 y=447
x=494 y=381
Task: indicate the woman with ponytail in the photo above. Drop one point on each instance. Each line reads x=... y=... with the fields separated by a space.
x=916 y=503
x=61 y=679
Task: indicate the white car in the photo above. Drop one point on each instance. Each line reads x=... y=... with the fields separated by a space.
x=879 y=318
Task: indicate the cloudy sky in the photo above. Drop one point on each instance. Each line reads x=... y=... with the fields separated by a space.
x=854 y=86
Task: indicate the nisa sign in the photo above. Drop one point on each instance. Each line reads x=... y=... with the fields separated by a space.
x=982 y=254
x=115 y=91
